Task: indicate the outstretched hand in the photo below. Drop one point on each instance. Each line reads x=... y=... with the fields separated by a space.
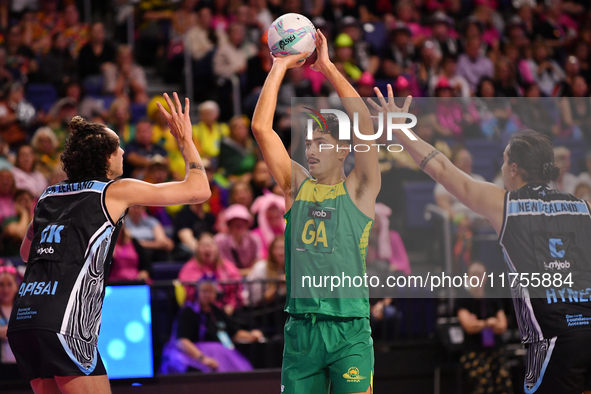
x=322 y=59
x=178 y=121
x=390 y=105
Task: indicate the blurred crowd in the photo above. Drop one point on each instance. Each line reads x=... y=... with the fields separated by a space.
x=478 y=56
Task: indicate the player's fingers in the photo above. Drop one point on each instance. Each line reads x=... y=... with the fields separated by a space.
x=163 y=111
x=170 y=105
x=390 y=91
x=407 y=103
x=380 y=97
x=187 y=106
x=177 y=103
x=374 y=104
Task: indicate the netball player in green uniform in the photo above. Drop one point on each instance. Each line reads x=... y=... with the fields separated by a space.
x=327 y=340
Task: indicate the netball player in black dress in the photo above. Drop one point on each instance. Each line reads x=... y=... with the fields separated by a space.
x=543 y=233
x=54 y=327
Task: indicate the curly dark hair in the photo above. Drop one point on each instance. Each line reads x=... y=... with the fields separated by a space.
x=87 y=150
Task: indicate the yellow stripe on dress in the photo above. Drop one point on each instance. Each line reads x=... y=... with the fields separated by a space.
x=364 y=241
x=313 y=192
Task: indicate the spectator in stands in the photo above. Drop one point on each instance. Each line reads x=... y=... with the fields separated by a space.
x=454 y=119
x=221 y=15
x=522 y=71
x=238 y=245
x=7 y=190
x=462 y=217
x=491 y=21
x=483 y=320
x=365 y=54
x=233 y=53
x=25 y=174
x=472 y=65
x=120 y=119
x=269 y=209
x=576 y=111
x=344 y=57
x=505 y=82
x=6 y=158
x=261 y=181
x=75 y=32
x=59 y=117
x=441 y=27
x=241 y=193
x=9 y=282
x=295 y=84
x=5 y=74
x=583 y=191
x=566 y=182
x=14 y=228
x=202 y=39
x=49 y=22
x=57 y=66
x=208 y=262
x=494 y=113
x=190 y=223
x=585 y=176
x=545 y=71
x=399 y=53
x=208 y=133
x=45 y=144
x=149 y=233
x=572 y=69
x=427 y=65
x=125 y=78
x=405 y=12
x=201 y=36
x=202 y=338
x=583 y=53
x=12 y=129
x=386 y=252
x=20 y=58
x=256 y=71
x=141 y=151
x=95 y=53
x=555 y=28
x=537 y=114
x=272 y=266
x=449 y=71
x=129 y=260
x=238 y=150
x=184 y=18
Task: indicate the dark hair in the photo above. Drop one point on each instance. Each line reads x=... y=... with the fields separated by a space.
x=481 y=83
x=534 y=156
x=332 y=123
x=87 y=150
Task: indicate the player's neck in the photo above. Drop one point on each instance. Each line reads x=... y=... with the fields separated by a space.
x=332 y=179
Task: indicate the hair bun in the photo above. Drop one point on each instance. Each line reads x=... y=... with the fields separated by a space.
x=550 y=172
x=77 y=124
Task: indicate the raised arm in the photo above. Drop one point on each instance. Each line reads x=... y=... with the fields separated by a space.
x=484 y=198
x=192 y=190
x=366 y=173
x=274 y=153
